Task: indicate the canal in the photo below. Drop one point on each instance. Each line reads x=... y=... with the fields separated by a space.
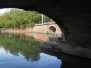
x=24 y=51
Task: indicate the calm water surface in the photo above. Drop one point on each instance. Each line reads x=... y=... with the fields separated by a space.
x=8 y=60
x=25 y=52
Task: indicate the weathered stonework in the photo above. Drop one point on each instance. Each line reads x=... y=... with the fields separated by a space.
x=65 y=48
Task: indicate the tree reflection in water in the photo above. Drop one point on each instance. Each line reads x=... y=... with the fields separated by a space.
x=25 y=46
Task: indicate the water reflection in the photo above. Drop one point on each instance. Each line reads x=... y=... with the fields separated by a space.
x=10 y=61
x=37 y=36
x=24 y=52
x=69 y=61
x=28 y=47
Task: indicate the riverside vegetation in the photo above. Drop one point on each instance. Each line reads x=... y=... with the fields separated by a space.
x=25 y=46
x=20 y=18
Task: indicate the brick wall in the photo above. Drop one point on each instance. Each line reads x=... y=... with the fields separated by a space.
x=41 y=28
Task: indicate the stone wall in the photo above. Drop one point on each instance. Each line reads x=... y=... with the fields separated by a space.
x=26 y=29
x=39 y=28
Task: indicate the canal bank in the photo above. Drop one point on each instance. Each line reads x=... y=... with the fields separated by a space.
x=67 y=49
x=48 y=27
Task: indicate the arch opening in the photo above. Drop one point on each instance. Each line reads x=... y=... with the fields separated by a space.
x=52 y=29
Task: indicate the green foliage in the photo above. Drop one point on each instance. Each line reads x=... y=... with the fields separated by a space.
x=20 y=18
x=26 y=46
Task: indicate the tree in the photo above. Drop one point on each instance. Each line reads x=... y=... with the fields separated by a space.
x=20 y=18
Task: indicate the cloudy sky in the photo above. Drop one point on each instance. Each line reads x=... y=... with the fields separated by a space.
x=4 y=10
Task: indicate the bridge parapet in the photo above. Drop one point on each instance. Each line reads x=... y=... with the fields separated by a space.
x=46 y=23
x=49 y=27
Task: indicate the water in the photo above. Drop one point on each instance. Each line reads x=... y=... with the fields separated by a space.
x=25 y=52
x=8 y=60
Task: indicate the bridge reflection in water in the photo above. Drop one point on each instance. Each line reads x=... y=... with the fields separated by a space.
x=16 y=46
x=37 y=36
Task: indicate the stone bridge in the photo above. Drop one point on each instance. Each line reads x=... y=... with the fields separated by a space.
x=72 y=16
x=48 y=27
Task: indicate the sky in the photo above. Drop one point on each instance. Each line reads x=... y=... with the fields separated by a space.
x=4 y=10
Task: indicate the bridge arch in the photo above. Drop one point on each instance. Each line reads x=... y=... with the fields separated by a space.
x=52 y=28
x=73 y=17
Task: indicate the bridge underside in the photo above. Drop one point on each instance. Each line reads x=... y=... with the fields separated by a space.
x=73 y=17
